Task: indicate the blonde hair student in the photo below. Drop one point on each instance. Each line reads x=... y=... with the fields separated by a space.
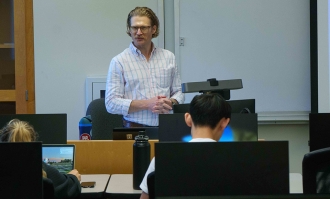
x=65 y=185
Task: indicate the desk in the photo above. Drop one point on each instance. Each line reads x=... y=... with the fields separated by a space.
x=100 y=185
x=121 y=186
x=296 y=184
x=105 y=156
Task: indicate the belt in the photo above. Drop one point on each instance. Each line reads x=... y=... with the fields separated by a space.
x=129 y=124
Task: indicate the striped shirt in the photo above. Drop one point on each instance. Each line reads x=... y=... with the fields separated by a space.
x=132 y=77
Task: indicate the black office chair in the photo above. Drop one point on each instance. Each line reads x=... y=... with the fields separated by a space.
x=316 y=171
x=102 y=121
x=48 y=188
x=151 y=184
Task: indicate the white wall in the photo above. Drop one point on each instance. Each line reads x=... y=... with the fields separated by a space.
x=75 y=39
x=296 y=134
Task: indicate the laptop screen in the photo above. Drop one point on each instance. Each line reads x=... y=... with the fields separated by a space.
x=59 y=156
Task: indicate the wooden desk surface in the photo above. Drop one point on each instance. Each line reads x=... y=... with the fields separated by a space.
x=105 y=156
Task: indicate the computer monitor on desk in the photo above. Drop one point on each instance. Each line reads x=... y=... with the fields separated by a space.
x=51 y=128
x=319 y=131
x=221 y=168
x=242 y=127
x=237 y=106
x=16 y=180
x=281 y=196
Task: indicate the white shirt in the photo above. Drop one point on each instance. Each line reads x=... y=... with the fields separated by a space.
x=151 y=168
x=132 y=77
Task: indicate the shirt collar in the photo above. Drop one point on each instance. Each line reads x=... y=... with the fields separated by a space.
x=137 y=52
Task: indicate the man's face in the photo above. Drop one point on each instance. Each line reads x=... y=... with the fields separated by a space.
x=141 y=31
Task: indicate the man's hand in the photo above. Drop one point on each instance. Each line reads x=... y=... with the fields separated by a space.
x=159 y=104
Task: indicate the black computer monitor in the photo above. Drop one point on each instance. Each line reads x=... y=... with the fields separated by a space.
x=242 y=106
x=21 y=170
x=221 y=168
x=319 y=131
x=242 y=127
x=277 y=196
x=51 y=128
x=237 y=106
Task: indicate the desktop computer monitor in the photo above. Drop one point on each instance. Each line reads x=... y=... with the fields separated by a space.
x=237 y=106
x=21 y=170
x=221 y=168
x=242 y=127
x=51 y=128
x=319 y=131
x=271 y=196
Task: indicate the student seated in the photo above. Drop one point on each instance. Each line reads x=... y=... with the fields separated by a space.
x=66 y=186
x=208 y=116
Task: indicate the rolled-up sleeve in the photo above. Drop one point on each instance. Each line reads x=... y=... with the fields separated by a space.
x=176 y=90
x=114 y=97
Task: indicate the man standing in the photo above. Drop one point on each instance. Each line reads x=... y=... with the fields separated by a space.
x=143 y=81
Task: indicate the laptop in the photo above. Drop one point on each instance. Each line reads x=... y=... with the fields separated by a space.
x=123 y=133
x=59 y=156
x=221 y=168
x=242 y=127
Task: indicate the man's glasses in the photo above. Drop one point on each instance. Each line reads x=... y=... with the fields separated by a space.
x=143 y=29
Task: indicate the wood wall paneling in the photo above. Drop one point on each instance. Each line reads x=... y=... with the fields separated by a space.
x=105 y=156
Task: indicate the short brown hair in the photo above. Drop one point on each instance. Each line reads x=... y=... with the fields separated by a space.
x=143 y=11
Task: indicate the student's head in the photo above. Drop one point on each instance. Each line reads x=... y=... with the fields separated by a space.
x=143 y=12
x=209 y=111
x=17 y=131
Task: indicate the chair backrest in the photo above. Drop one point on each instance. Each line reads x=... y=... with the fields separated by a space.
x=151 y=185
x=316 y=171
x=48 y=188
x=102 y=121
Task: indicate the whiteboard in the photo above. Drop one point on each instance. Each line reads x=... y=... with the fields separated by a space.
x=264 y=43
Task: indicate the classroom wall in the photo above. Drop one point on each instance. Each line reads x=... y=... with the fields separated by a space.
x=296 y=134
x=74 y=40
x=70 y=45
